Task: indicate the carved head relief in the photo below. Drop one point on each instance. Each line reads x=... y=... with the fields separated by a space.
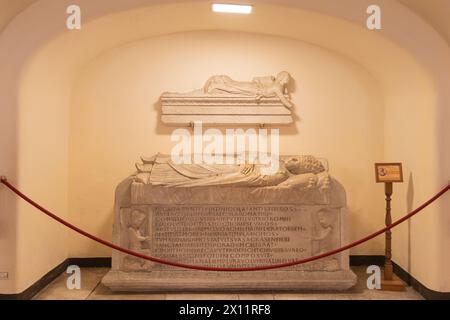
x=137 y=218
x=325 y=218
x=283 y=78
x=304 y=164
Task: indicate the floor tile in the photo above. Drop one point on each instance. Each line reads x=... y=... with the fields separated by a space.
x=104 y=293
x=92 y=289
x=58 y=290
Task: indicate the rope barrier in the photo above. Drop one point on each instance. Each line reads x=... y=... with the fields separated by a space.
x=4 y=181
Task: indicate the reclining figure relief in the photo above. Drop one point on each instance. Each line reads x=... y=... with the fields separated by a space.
x=259 y=87
x=304 y=172
x=223 y=86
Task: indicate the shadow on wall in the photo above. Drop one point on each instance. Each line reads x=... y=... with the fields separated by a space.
x=409 y=208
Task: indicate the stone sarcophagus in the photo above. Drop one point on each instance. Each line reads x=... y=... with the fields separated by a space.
x=230 y=216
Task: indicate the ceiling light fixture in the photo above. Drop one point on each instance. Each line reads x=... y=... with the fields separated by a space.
x=232 y=8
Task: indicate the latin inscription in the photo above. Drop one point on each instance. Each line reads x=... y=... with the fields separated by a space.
x=231 y=236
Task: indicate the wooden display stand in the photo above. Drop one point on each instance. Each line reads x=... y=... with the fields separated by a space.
x=389 y=173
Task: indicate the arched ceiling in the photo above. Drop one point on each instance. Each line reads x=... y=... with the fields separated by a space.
x=434 y=12
x=408 y=57
x=400 y=53
x=9 y=9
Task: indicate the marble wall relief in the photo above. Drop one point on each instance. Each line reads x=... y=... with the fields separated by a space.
x=225 y=101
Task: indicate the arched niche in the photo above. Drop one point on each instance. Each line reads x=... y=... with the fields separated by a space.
x=407 y=60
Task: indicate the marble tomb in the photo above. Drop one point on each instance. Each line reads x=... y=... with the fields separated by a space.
x=230 y=216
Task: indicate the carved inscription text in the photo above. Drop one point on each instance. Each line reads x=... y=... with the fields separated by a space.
x=231 y=236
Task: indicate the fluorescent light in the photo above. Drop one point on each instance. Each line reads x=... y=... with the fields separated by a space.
x=232 y=8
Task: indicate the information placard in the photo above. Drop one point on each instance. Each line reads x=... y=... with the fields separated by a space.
x=388 y=172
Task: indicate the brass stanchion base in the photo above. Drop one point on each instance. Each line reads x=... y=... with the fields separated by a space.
x=392 y=285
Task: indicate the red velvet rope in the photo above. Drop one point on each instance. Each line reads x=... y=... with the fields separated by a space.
x=204 y=268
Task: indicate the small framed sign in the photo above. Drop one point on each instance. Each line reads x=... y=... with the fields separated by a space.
x=388 y=172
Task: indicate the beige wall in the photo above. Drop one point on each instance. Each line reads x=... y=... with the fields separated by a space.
x=365 y=98
x=43 y=161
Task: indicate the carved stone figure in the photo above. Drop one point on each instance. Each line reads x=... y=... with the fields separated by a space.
x=137 y=242
x=235 y=183
x=259 y=87
x=302 y=171
x=325 y=238
x=223 y=100
x=135 y=238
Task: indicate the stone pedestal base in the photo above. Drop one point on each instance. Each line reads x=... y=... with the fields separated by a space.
x=157 y=281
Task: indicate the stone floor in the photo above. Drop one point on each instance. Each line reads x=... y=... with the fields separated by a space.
x=92 y=289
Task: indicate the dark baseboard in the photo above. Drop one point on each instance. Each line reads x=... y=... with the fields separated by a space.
x=402 y=274
x=366 y=260
x=419 y=287
x=105 y=262
x=31 y=291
